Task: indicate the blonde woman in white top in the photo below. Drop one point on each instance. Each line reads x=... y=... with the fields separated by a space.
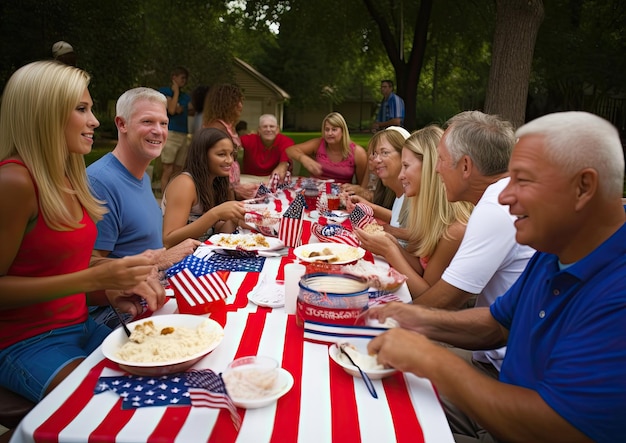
x=435 y=226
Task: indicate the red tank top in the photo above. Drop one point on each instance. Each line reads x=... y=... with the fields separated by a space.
x=46 y=252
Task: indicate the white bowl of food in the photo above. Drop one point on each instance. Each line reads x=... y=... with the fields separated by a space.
x=359 y=355
x=163 y=344
x=335 y=253
x=256 y=381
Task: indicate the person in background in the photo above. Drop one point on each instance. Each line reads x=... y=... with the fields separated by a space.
x=198 y=95
x=391 y=109
x=334 y=155
x=473 y=156
x=563 y=321
x=435 y=226
x=199 y=202
x=133 y=222
x=47 y=232
x=64 y=52
x=241 y=128
x=265 y=153
x=222 y=110
x=175 y=149
x=386 y=155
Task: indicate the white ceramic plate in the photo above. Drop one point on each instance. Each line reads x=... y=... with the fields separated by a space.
x=285 y=381
x=336 y=356
x=348 y=253
x=116 y=339
x=273 y=242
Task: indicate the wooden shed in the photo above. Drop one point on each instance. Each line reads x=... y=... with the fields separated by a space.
x=262 y=96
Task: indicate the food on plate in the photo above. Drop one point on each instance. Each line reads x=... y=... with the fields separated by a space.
x=251 y=382
x=374 y=228
x=243 y=240
x=376 y=276
x=328 y=255
x=345 y=254
x=364 y=361
x=151 y=343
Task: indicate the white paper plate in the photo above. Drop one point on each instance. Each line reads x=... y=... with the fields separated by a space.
x=338 y=249
x=269 y=294
x=336 y=356
x=285 y=381
x=273 y=242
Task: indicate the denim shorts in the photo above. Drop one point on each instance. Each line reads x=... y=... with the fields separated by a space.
x=29 y=366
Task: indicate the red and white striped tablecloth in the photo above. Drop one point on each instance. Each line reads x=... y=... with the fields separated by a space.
x=325 y=404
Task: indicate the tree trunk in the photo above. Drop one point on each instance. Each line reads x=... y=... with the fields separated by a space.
x=517 y=25
x=407 y=73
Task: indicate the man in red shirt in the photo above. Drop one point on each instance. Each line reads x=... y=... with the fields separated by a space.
x=264 y=152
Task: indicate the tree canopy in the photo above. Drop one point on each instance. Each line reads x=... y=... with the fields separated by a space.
x=323 y=53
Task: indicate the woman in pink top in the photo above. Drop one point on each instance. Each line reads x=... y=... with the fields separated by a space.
x=333 y=156
x=47 y=233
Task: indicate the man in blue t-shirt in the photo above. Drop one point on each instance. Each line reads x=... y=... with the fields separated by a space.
x=178 y=104
x=134 y=221
x=563 y=321
x=391 y=110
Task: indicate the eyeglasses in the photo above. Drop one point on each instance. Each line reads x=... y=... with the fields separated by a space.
x=381 y=154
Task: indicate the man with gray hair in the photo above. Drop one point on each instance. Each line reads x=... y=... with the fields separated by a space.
x=563 y=321
x=264 y=153
x=134 y=222
x=473 y=156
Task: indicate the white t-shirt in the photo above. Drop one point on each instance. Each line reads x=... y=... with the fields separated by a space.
x=395 y=211
x=489 y=260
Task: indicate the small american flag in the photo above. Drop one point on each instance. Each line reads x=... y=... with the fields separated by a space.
x=198 y=388
x=262 y=190
x=290 y=229
x=361 y=215
x=274 y=182
x=208 y=389
x=197 y=294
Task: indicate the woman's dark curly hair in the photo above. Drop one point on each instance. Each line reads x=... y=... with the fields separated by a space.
x=221 y=103
x=212 y=191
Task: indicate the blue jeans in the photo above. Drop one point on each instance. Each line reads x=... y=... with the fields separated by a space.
x=29 y=366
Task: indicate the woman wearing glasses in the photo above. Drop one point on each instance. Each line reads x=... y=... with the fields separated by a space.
x=385 y=149
x=435 y=225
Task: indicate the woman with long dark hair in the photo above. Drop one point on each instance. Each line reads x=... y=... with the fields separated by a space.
x=200 y=201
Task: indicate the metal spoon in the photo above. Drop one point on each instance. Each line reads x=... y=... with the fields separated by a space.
x=364 y=376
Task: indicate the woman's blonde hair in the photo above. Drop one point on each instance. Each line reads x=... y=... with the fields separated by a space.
x=336 y=120
x=430 y=212
x=36 y=105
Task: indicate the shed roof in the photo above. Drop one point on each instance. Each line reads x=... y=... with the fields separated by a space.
x=262 y=79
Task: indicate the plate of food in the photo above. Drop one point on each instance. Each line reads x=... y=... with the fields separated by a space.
x=250 y=242
x=267 y=222
x=336 y=253
x=163 y=344
x=256 y=381
x=366 y=362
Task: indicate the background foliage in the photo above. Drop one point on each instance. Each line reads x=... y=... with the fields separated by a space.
x=327 y=51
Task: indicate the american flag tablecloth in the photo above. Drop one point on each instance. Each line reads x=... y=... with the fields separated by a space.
x=325 y=404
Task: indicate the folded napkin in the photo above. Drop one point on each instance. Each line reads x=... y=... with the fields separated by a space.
x=201 y=388
x=290 y=229
x=235 y=264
